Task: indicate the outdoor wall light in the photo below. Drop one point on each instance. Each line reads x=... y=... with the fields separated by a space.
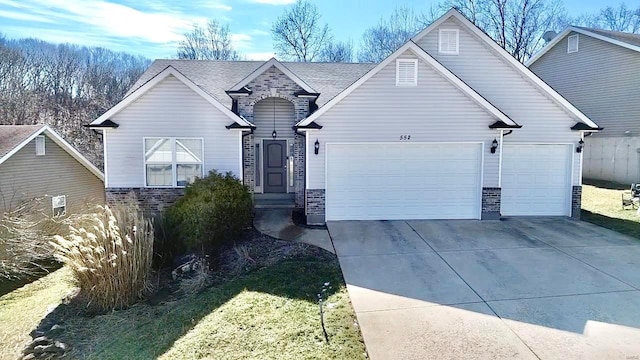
x=494 y=146
x=580 y=146
x=274 y=134
x=316 y=146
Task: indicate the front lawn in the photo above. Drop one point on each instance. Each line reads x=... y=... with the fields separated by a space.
x=268 y=313
x=602 y=205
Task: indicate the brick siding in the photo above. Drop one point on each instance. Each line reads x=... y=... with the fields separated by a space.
x=152 y=201
x=491 y=197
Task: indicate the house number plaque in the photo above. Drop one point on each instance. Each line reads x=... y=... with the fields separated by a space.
x=405 y=137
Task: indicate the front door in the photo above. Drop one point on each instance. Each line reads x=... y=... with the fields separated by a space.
x=275 y=166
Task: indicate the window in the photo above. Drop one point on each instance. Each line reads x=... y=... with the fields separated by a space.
x=572 y=44
x=406 y=72
x=59 y=205
x=448 y=43
x=40 y=150
x=172 y=161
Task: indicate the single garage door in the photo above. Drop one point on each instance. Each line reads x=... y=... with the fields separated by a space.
x=536 y=180
x=403 y=181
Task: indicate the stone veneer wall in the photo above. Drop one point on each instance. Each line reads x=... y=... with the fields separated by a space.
x=576 y=202
x=491 y=197
x=315 y=206
x=151 y=200
x=261 y=89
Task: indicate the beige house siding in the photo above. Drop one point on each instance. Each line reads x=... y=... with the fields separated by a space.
x=24 y=176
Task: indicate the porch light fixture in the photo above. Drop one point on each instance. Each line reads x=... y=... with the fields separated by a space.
x=580 y=146
x=494 y=146
x=274 y=134
x=316 y=146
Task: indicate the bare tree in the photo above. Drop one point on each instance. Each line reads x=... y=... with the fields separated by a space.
x=388 y=35
x=212 y=42
x=298 y=34
x=516 y=25
x=337 y=52
x=620 y=18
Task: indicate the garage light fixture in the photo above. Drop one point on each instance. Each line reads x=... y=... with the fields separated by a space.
x=494 y=146
x=580 y=146
x=316 y=146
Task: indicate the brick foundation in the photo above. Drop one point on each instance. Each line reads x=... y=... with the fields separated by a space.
x=152 y=200
x=491 y=203
x=315 y=206
x=576 y=202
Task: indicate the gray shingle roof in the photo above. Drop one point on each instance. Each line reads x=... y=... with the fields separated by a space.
x=12 y=135
x=633 y=39
x=215 y=77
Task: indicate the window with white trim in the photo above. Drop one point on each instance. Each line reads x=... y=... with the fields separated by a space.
x=448 y=41
x=59 y=205
x=172 y=162
x=572 y=44
x=406 y=72
x=40 y=149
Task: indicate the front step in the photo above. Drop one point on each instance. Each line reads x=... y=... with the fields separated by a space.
x=274 y=201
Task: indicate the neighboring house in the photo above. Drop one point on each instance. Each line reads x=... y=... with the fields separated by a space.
x=450 y=126
x=35 y=162
x=599 y=72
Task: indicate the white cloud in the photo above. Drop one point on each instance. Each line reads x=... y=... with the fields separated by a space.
x=260 y=55
x=258 y=32
x=273 y=2
x=241 y=41
x=24 y=16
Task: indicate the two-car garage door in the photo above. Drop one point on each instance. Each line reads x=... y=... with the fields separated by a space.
x=389 y=181
x=393 y=181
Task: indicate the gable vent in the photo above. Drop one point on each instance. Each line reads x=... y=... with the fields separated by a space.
x=448 y=41
x=406 y=72
x=572 y=43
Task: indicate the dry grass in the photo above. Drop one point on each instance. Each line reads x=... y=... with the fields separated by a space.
x=109 y=256
x=602 y=205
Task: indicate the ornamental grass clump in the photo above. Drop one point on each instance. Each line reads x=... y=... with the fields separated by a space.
x=110 y=254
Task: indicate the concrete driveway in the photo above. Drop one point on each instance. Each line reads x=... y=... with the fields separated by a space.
x=544 y=288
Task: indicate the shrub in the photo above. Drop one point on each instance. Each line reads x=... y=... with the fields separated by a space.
x=110 y=256
x=214 y=211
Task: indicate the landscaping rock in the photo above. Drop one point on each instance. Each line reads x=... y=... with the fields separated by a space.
x=62 y=346
x=187 y=266
x=30 y=356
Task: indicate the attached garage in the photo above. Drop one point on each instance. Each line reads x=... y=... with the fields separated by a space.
x=393 y=181
x=536 y=180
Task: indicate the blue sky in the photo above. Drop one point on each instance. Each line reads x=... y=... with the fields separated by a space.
x=153 y=27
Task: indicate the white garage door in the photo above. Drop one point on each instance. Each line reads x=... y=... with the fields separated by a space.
x=536 y=180
x=403 y=181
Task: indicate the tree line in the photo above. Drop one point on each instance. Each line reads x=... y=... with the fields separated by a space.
x=300 y=35
x=65 y=86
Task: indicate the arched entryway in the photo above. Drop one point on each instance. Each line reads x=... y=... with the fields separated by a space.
x=274 y=136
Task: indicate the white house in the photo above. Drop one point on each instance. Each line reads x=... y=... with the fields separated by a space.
x=450 y=126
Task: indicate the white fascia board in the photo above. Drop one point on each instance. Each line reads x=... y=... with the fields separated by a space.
x=264 y=67
x=169 y=70
x=419 y=52
x=62 y=143
x=544 y=87
x=566 y=32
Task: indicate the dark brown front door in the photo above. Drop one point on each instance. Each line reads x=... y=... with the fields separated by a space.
x=275 y=171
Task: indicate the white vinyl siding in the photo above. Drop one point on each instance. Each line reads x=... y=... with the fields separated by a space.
x=572 y=43
x=169 y=110
x=484 y=70
x=536 y=180
x=40 y=145
x=379 y=111
x=263 y=118
x=406 y=72
x=448 y=42
x=394 y=181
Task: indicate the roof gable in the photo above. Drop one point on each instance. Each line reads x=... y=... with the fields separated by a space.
x=628 y=41
x=511 y=61
x=421 y=54
x=275 y=63
x=34 y=131
x=168 y=71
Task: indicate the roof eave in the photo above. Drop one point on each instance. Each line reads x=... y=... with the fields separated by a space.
x=498 y=125
x=580 y=126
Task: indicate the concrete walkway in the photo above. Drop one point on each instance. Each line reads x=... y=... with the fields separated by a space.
x=277 y=223
x=546 y=288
